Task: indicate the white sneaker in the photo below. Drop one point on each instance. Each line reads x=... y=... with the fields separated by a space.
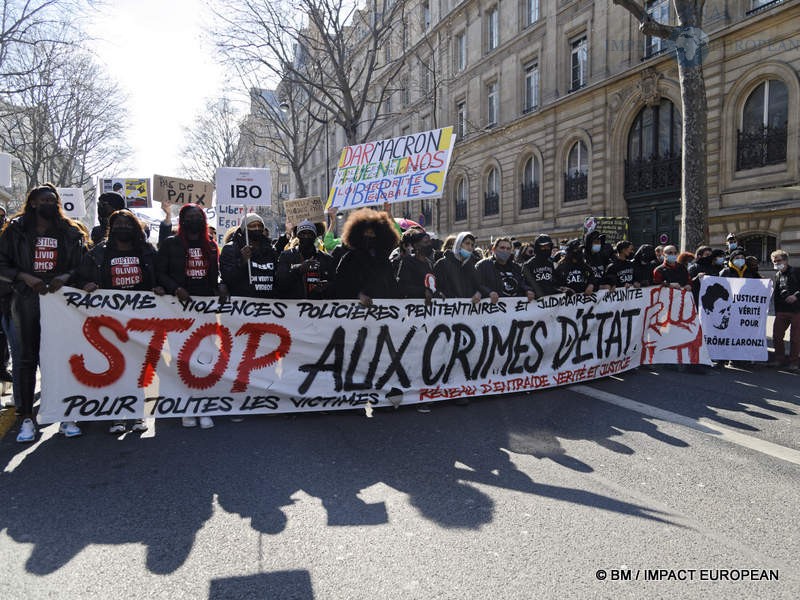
x=139 y=425
x=117 y=427
x=70 y=429
x=27 y=431
x=206 y=422
x=189 y=421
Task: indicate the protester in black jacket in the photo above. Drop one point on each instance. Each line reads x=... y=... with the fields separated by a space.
x=737 y=266
x=305 y=271
x=539 y=271
x=787 y=311
x=40 y=248
x=365 y=272
x=644 y=261
x=499 y=276
x=620 y=271
x=249 y=269
x=107 y=204
x=708 y=262
x=572 y=272
x=455 y=272
x=598 y=254
x=415 y=272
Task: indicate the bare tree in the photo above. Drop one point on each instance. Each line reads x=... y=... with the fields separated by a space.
x=329 y=49
x=690 y=43
x=65 y=120
x=212 y=141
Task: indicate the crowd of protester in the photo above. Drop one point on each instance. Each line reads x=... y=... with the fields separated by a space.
x=41 y=250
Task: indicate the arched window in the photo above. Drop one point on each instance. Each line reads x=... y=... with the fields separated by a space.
x=461 y=200
x=491 y=205
x=530 y=184
x=576 y=178
x=762 y=137
x=654 y=150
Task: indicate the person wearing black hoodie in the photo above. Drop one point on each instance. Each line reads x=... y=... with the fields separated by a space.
x=415 y=271
x=499 y=276
x=620 y=271
x=539 y=271
x=249 y=269
x=107 y=204
x=598 y=255
x=455 y=271
x=707 y=262
x=306 y=271
x=572 y=272
x=644 y=261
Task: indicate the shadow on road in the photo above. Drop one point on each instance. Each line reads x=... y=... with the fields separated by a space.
x=159 y=491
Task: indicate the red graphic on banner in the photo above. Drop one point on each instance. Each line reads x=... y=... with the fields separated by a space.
x=193 y=343
x=115 y=358
x=250 y=362
x=160 y=329
x=45 y=254
x=670 y=308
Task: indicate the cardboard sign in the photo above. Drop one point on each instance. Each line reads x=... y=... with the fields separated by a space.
x=73 y=202
x=173 y=190
x=615 y=229
x=409 y=167
x=5 y=169
x=135 y=190
x=301 y=209
x=250 y=187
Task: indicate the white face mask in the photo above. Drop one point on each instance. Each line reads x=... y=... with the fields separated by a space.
x=779 y=267
x=732 y=245
x=738 y=263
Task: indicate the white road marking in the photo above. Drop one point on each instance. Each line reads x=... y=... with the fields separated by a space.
x=702 y=425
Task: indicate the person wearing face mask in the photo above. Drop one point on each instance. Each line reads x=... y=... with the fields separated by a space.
x=414 y=274
x=539 y=271
x=731 y=244
x=737 y=266
x=364 y=272
x=644 y=261
x=455 y=271
x=499 y=276
x=598 y=254
x=125 y=260
x=107 y=203
x=305 y=271
x=248 y=262
x=620 y=271
x=707 y=262
x=40 y=248
x=671 y=273
x=572 y=272
x=787 y=312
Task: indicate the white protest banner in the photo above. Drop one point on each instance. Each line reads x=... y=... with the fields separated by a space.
x=173 y=190
x=300 y=209
x=409 y=167
x=73 y=202
x=5 y=169
x=135 y=190
x=229 y=216
x=733 y=315
x=251 y=187
x=134 y=354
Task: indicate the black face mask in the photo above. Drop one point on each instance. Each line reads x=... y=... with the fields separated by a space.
x=255 y=235
x=370 y=245
x=542 y=251
x=47 y=211
x=194 y=226
x=104 y=211
x=306 y=245
x=123 y=235
x=426 y=250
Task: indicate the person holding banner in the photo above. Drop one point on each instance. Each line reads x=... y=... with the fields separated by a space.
x=187 y=264
x=737 y=266
x=572 y=272
x=365 y=272
x=39 y=250
x=125 y=260
x=499 y=275
x=415 y=272
x=248 y=262
x=539 y=272
x=644 y=261
x=619 y=272
x=671 y=273
x=305 y=271
x=455 y=271
x=787 y=311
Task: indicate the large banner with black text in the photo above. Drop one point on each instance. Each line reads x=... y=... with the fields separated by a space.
x=117 y=355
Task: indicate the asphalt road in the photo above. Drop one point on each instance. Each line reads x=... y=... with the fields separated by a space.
x=525 y=496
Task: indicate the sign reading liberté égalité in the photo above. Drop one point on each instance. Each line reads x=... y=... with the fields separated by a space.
x=408 y=167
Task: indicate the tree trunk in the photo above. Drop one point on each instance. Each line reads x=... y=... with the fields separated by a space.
x=694 y=190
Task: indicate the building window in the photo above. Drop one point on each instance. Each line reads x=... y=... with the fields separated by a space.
x=424 y=77
x=763 y=136
x=461 y=51
x=579 y=63
x=491 y=205
x=461 y=120
x=491 y=104
x=405 y=35
x=531 y=99
x=530 y=184
x=492 y=29
x=653 y=163
x=659 y=12
x=531 y=11
x=405 y=97
x=762 y=5
x=576 y=178
x=426 y=16
x=387 y=52
x=461 y=200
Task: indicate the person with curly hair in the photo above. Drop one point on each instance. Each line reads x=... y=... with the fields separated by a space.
x=40 y=248
x=365 y=272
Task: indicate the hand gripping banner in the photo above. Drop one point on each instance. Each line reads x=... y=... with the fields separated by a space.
x=120 y=355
